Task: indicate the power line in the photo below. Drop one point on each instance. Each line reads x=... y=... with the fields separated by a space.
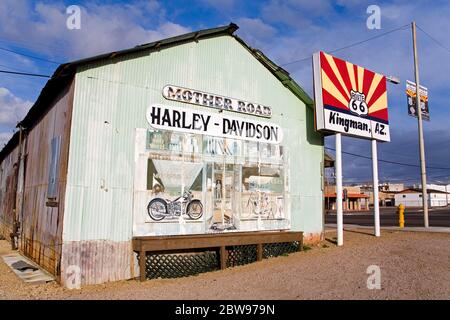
x=390 y=180
x=29 y=45
x=390 y=162
x=14 y=69
x=350 y=45
x=434 y=39
x=287 y=63
x=29 y=56
x=393 y=180
x=406 y=156
x=430 y=176
x=11 y=68
x=25 y=74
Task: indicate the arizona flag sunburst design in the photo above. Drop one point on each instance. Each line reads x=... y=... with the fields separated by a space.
x=350 y=99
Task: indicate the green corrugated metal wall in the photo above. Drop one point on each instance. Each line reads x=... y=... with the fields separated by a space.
x=111 y=99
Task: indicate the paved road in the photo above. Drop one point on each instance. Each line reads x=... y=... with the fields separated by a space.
x=388 y=217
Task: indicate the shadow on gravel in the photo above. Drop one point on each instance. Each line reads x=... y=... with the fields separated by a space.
x=368 y=232
x=364 y=232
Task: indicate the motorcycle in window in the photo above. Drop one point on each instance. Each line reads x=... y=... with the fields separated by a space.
x=159 y=208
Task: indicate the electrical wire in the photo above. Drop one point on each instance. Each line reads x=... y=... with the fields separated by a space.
x=394 y=180
x=29 y=45
x=434 y=39
x=284 y=64
x=25 y=74
x=29 y=56
x=291 y=62
x=12 y=68
x=390 y=162
x=351 y=45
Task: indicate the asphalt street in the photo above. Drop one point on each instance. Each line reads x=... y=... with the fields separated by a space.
x=438 y=217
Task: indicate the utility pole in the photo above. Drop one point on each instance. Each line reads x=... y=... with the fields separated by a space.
x=423 y=173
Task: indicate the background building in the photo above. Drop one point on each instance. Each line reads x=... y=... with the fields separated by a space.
x=353 y=198
x=386 y=193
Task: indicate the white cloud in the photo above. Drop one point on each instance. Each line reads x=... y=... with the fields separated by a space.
x=309 y=29
x=12 y=108
x=4 y=138
x=302 y=27
x=296 y=13
x=41 y=27
x=255 y=31
x=304 y=31
x=104 y=28
x=169 y=29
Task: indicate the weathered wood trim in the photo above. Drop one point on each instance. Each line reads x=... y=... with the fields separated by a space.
x=223 y=257
x=142 y=265
x=259 y=252
x=221 y=241
x=166 y=243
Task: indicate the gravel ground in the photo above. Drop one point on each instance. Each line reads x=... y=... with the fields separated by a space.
x=413 y=266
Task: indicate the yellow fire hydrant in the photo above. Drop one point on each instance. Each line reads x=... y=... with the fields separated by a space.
x=401 y=215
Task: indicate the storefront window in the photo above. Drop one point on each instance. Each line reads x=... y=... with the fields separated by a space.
x=221 y=147
x=223 y=183
x=262 y=192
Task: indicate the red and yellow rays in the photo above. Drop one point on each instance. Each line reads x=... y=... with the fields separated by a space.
x=339 y=77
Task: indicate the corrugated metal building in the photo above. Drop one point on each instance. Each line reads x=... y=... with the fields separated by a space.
x=79 y=179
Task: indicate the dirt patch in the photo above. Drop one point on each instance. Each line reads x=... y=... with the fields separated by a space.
x=413 y=266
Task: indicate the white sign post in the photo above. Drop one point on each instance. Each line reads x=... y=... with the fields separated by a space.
x=339 y=213
x=376 y=202
x=350 y=100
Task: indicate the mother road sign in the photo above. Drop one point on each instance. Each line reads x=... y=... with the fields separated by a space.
x=349 y=99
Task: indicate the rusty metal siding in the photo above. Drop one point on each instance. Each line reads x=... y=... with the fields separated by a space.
x=99 y=260
x=41 y=230
x=8 y=182
x=96 y=236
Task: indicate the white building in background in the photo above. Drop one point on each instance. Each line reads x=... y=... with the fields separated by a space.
x=412 y=197
x=391 y=187
x=439 y=187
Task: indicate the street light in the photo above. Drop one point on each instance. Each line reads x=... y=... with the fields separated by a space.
x=376 y=203
x=393 y=79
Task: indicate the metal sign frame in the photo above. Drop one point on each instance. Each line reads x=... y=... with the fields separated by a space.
x=349 y=99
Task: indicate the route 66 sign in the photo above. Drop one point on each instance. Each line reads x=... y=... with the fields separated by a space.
x=357 y=103
x=349 y=99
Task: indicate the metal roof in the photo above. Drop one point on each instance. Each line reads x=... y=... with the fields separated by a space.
x=349 y=195
x=418 y=190
x=328 y=160
x=65 y=72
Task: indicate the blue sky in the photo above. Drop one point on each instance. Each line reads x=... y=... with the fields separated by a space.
x=285 y=30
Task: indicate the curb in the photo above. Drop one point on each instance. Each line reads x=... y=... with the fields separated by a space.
x=407 y=229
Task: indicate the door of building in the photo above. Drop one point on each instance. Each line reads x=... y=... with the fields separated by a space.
x=226 y=189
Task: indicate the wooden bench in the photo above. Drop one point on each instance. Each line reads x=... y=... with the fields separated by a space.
x=165 y=244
